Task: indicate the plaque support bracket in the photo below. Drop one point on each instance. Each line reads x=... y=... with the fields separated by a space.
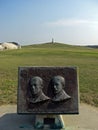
x=49 y=122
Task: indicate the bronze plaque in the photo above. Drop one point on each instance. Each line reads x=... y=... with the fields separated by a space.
x=47 y=90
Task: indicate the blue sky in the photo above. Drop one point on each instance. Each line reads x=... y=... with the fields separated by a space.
x=27 y=22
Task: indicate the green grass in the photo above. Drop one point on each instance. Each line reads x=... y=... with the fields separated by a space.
x=86 y=59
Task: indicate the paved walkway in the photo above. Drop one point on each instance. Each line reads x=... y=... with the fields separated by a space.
x=86 y=120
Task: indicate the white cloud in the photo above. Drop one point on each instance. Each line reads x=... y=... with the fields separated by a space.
x=71 y=22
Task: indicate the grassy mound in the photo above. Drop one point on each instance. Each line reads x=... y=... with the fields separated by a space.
x=86 y=59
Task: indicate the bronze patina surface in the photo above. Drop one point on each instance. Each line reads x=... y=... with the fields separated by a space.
x=47 y=90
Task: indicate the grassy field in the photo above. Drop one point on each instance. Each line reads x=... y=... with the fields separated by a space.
x=86 y=59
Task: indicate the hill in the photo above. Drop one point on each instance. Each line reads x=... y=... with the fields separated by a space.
x=93 y=46
x=57 y=54
x=53 y=45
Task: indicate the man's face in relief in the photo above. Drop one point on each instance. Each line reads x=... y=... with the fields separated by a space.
x=36 y=86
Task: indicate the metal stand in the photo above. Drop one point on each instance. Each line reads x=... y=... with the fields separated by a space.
x=49 y=122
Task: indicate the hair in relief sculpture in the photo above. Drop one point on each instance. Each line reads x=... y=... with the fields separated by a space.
x=58 y=85
x=36 y=86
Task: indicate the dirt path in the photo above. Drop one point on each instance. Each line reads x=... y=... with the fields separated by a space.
x=86 y=120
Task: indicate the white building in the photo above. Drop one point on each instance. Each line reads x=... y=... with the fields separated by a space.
x=1 y=47
x=10 y=45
